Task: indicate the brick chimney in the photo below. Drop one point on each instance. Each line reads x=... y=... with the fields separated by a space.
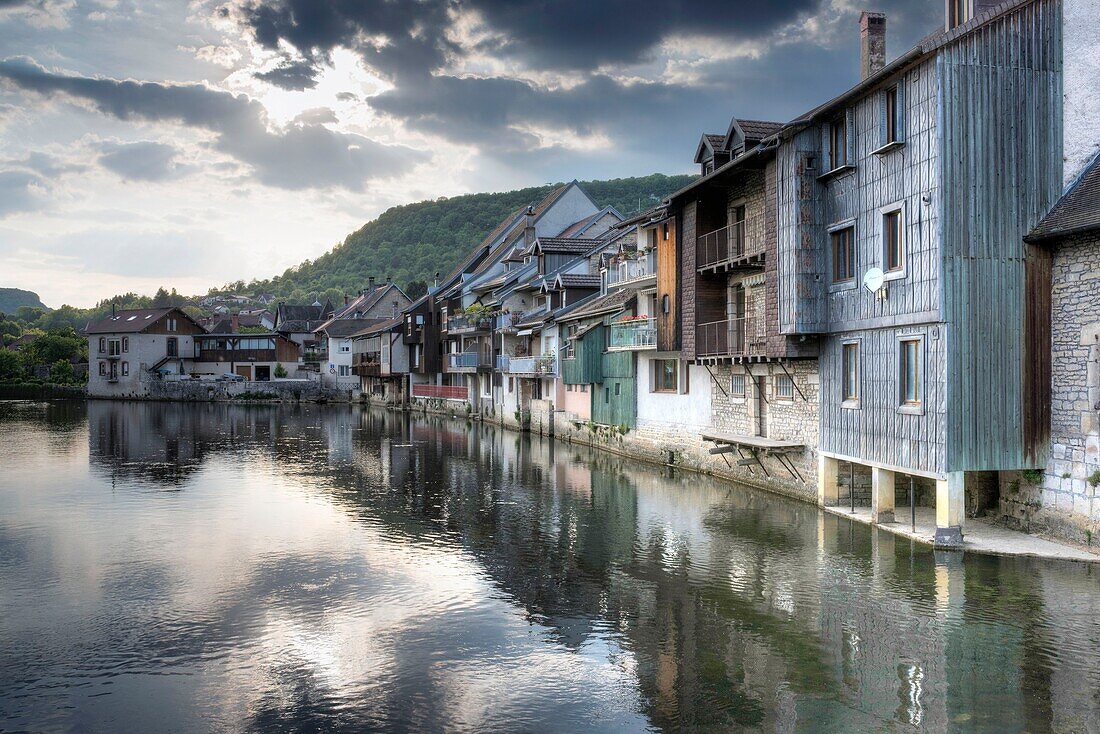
x=529 y=227
x=370 y=283
x=872 y=43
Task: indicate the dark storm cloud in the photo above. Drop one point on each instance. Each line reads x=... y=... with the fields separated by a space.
x=294 y=76
x=142 y=161
x=296 y=157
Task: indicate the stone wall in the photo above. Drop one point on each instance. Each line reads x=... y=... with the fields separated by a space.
x=1068 y=501
x=216 y=390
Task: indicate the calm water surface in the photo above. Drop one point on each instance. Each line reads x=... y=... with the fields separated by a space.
x=215 y=568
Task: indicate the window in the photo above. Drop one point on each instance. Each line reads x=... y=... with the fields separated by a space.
x=102 y=369
x=570 y=341
x=394 y=312
x=568 y=387
x=344 y=347
x=172 y=347
x=345 y=370
x=125 y=344
x=890 y=102
x=909 y=372
x=844 y=266
x=894 y=255
x=125 y=369
x=838 y=143
x=606 y=395
x=892 y=117
x=651 y=237
x=784 y=387
x=737 y=386
x=958 y=12
x=618 y=389
x=584 y=388
x=665 y=375
x=420 y=319
x=171 y=324
x=850 y=365
x=114 y=347
x=102 y=344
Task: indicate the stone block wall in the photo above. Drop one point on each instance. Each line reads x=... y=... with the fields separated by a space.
x=1067 y=500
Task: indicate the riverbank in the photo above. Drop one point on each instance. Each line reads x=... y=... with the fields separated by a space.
x=980 y=535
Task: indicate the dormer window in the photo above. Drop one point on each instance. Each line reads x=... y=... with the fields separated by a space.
x=959 y=12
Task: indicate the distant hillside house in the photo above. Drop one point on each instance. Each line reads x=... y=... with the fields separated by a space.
x=298 y=323
x=371 y=306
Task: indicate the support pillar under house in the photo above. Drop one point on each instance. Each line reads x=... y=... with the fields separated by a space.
x=882 y=495
x=828 y=481
x=950 y=494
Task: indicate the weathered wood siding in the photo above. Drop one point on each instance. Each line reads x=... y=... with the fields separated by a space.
x=668 y=279
x=688 y=228
x=876 y=431
x=800 y=258
x=614 y=401
x=1001 y=170
x=586 y=367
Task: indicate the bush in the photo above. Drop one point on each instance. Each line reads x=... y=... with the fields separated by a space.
x=1034 y=477
x=61 y=372
x=11 y=367
x=280 y=371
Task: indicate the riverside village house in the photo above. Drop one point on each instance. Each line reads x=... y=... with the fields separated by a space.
x=889 y=301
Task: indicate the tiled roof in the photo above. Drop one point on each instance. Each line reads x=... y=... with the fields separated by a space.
x=131 y=322
x=601 y=304
x=566 y=245
x=1077 y=211
x=347 y=327
x=758 y=129
x=579 y=280
x=380 y=328
x=716 y=140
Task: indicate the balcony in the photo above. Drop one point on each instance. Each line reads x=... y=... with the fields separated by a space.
x=634 y=270
x=471 y=361
x=366 y=365
x=468 y=324
x=633 y=333
x=440 y=392
x=735 y=338
x=735 y=245
x=543 y=366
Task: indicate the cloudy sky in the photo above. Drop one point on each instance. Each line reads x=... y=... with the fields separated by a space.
x=150 y=142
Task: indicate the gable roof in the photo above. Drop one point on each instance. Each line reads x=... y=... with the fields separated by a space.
x=576 y=229
x=600 y=305
x=709 y=141
x=346 y=327
x=1076 y=212
x=366 y=301
x=577 y=280
x=133 y=321
x=299 y=319
x=380 y=328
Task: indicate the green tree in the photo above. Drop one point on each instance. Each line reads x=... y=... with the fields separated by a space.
x=9 y=331
x=280 y=371
x=415 y=289
x=55 y=346
x=11 y=367
x=62 y=373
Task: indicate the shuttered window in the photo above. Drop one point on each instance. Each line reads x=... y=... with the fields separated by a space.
x=893 y=241
x=851 y=372
x=910 y=372
x=844 y=267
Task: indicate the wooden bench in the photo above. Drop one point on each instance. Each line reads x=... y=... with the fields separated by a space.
x=752 y=449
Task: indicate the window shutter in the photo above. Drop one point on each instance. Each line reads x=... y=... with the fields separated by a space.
x=883 y=138
x=899 y=113
x=850 y=136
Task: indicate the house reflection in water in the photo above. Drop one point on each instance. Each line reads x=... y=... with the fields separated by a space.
x=714 y=605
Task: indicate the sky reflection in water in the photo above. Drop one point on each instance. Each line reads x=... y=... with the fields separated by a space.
x=207 y=567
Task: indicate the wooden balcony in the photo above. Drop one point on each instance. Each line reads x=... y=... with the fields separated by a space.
x=366 y=365
x=734 y=339
x=737 y=245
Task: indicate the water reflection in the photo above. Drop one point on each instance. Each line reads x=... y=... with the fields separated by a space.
x=329 y=568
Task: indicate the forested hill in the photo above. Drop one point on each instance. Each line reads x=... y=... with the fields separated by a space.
x=13 y=298
x=413 y=242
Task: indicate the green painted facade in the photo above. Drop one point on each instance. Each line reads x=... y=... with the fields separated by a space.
x=586 y=366
x=614 y=400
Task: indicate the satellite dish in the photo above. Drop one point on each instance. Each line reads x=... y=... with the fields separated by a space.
x=874 y=279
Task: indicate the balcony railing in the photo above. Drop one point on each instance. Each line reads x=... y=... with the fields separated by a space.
x=366 y=365
x=470 y=361
x=440 y=392
x=468 y=323
x=502 y=362
x=741 y=337
x=638 y=333
x=730 y=243
x=544 y=365
x=628 y=271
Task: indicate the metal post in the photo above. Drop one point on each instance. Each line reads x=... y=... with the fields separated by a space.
x=912 y=504
x=852 y=484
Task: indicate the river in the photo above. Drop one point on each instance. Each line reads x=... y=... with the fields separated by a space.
x=206 y=567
